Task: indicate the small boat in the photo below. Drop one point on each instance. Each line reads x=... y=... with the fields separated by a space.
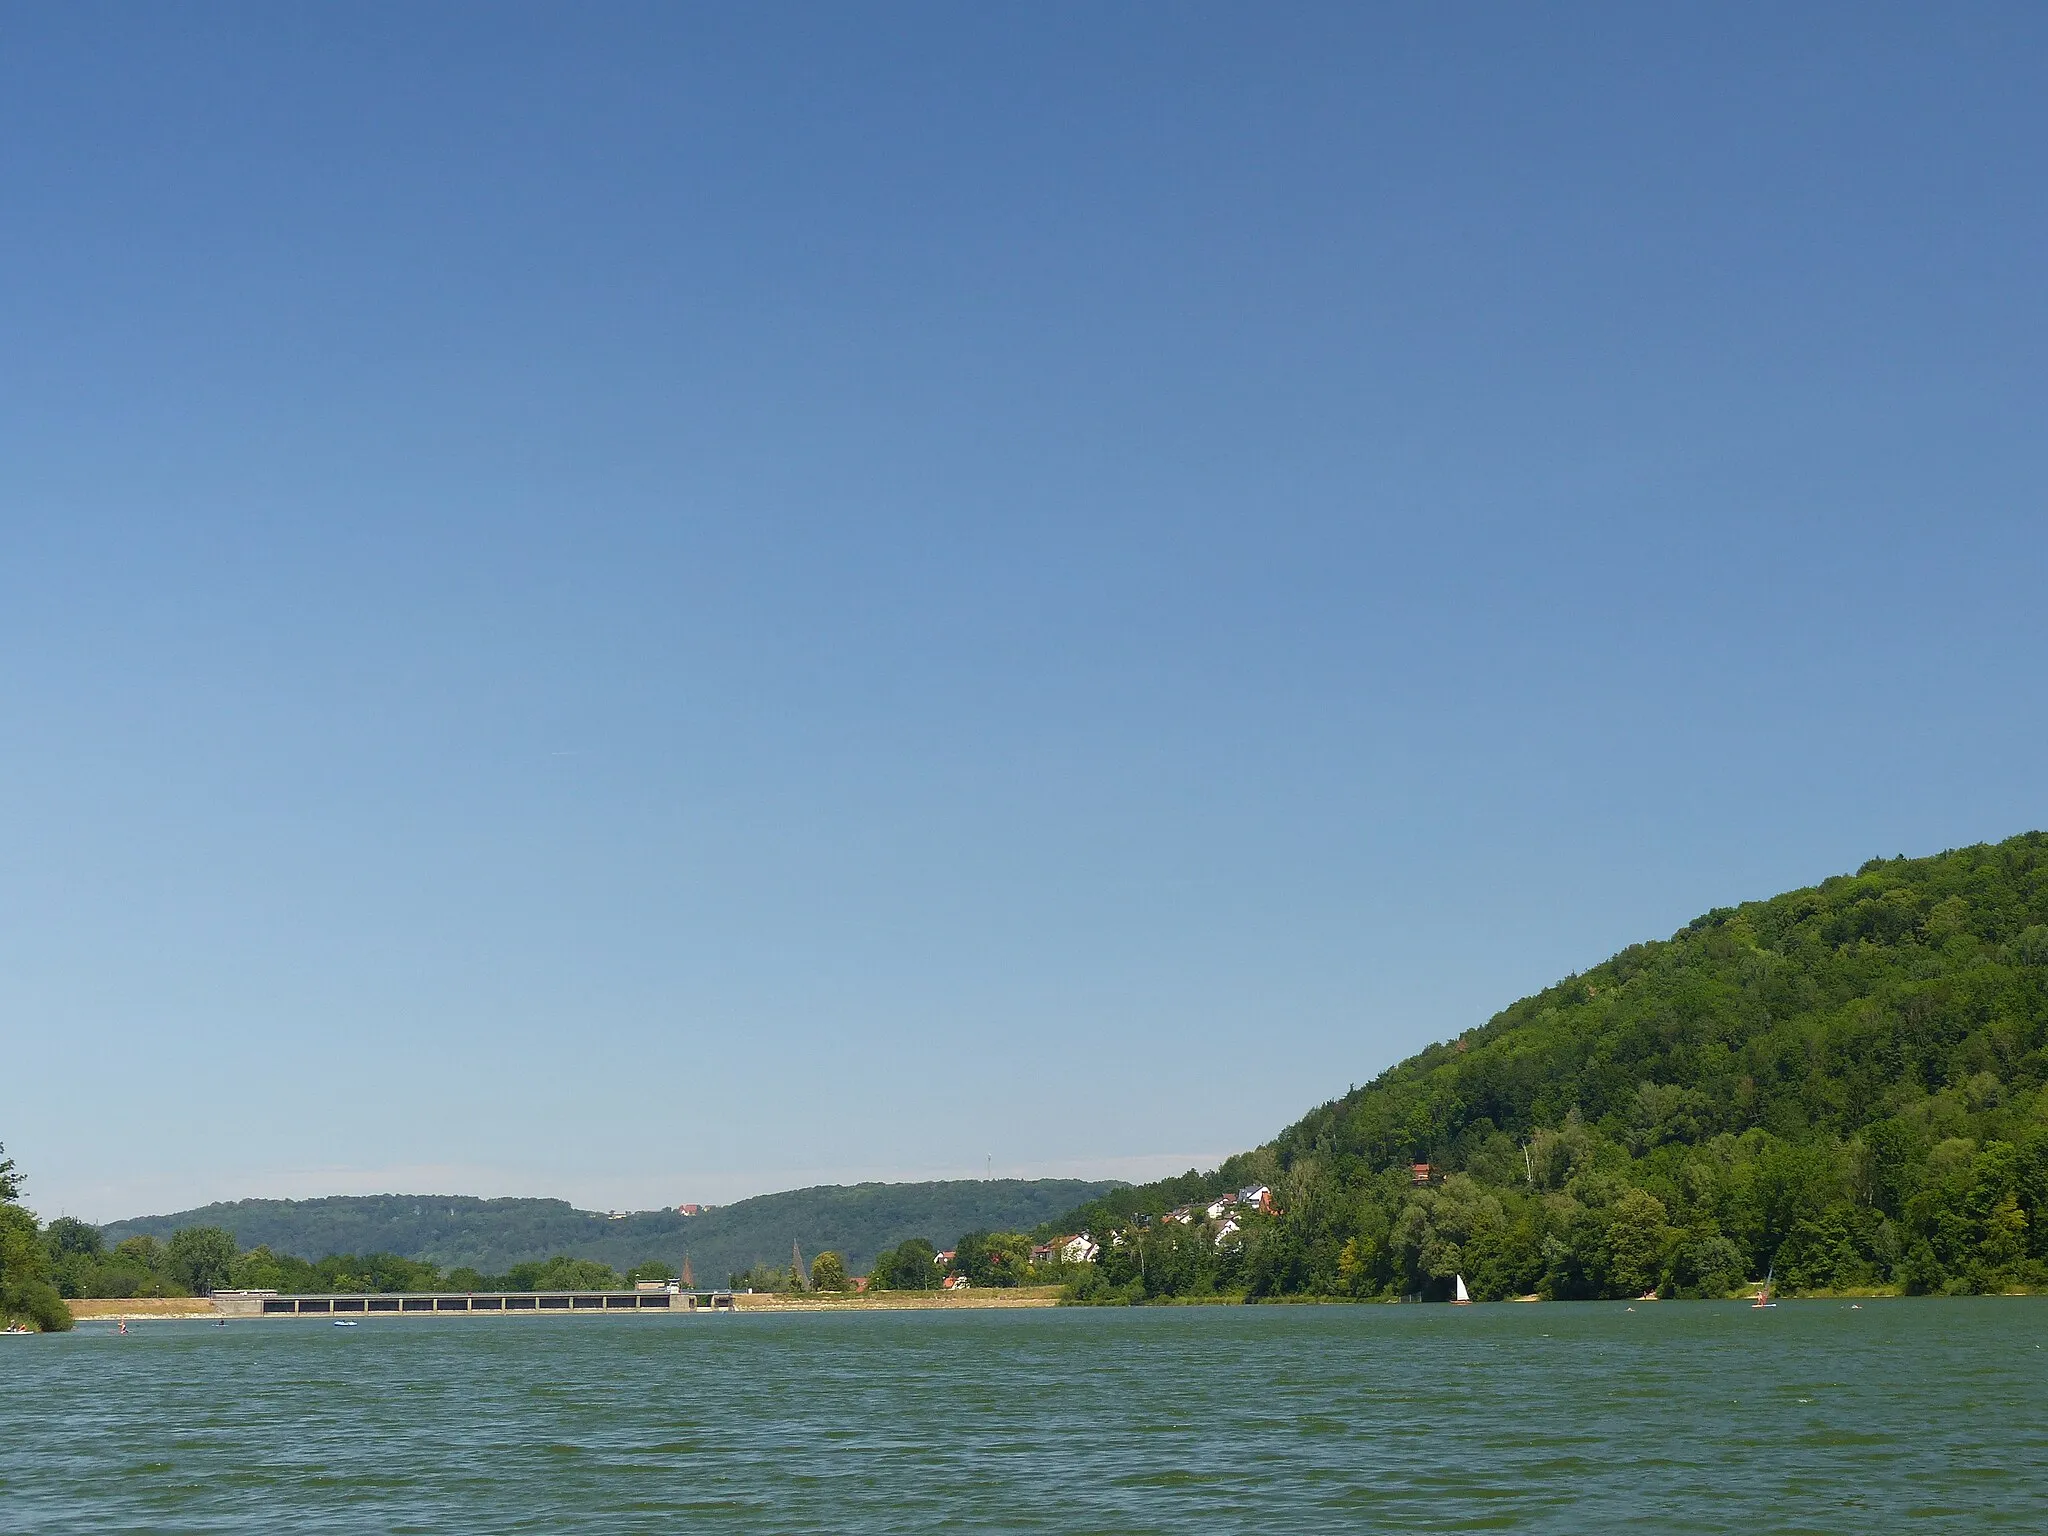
x=1763 y=1297
x=344 y=1322
x=1461 y=1297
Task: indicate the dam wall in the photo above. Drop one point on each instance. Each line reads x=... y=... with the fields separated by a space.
x=495 y=1303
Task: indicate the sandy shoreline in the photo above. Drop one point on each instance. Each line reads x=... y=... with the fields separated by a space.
x=136 y=1308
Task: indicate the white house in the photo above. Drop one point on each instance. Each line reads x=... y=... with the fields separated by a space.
x=1079 y=1249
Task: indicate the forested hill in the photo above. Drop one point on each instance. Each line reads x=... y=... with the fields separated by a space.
x=858 y=1220
x=1843 y=1083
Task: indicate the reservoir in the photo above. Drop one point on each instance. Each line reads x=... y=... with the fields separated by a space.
x=1813 y=1416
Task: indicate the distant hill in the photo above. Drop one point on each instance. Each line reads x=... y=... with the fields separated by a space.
x=857 y=1220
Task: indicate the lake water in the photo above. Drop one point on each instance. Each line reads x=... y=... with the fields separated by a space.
x=1670 y=1417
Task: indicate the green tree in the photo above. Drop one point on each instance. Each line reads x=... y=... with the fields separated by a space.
x=259 y=1269
x=1637 y=1239
x=828 y=1272
x=1705 y=1263
x=26 y=1295
x=67 y=1236
x=910 y=1266
x=201 y=1259
x=562 y=1273
x=993 y=1258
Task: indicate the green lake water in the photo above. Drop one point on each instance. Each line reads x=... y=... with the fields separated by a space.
x=1668 y=1417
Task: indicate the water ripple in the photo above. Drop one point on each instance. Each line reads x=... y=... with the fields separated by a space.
x=1582 y=1419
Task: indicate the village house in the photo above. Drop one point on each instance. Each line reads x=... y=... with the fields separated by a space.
x=1079 y=1249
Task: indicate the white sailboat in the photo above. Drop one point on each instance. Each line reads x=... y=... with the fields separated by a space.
x=1460 y=1297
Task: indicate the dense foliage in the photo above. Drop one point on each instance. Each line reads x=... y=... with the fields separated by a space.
x=1842 y=1086
x=912 y=1265
x=27 y=1299
x=828 y=1272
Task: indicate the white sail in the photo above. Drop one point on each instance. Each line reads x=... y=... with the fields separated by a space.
x=1462 y=1293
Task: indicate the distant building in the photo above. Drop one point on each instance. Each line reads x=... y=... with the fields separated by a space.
x=1078 y=1249
x=690 y=1209
x=1420 y=1171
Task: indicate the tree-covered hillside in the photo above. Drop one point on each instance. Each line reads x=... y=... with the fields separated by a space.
x=493 y=1236
x=1843 y=1085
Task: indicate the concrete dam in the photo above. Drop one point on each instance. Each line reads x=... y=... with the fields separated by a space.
x=497 y=1303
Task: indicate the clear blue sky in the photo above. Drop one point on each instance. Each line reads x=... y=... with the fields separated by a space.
x=653 y=603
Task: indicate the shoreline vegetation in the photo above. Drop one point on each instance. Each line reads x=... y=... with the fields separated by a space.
x=1844 y=1088
x=194 y=1308
x=856 y=1221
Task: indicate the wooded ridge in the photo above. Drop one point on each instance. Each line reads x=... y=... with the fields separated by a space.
x=1842 y=1086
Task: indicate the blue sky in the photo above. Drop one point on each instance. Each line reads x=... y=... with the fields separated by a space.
x=655 y=603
